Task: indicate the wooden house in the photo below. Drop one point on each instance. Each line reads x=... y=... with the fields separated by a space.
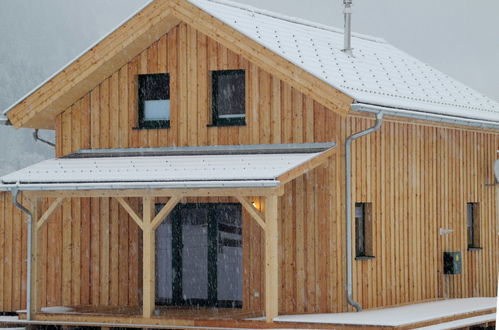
x=208 y=155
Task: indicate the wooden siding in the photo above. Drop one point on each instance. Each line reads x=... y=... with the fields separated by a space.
x=418 y=179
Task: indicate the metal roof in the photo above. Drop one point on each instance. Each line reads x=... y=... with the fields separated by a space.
x=377 y=73
x=168 y=171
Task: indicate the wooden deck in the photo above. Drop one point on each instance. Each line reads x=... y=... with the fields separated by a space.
x=214 y=318
x=171 y=318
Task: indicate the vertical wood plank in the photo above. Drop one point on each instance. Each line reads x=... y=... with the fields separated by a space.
x=148 y=257
x=271 y=259
x=104 y=252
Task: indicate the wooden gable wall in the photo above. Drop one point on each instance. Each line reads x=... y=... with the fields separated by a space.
x=418 y=178
x=106 y=117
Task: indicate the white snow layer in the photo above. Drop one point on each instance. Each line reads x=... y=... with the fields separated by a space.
x=57 y=309
x=462 y=323
x=377 y=73
x=192 y=168
x=397 y=316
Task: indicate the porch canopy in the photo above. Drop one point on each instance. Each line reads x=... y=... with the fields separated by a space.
x=237 y=171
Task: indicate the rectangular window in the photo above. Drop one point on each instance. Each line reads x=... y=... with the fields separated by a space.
x=363 y=231
x=473 y=225
x=154 y=100
x=228 y=97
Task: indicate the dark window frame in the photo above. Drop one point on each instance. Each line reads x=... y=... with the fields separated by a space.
x=473 y=225
x=142 y=122
x=363 y=232
x=213 y=240
x=216 y=120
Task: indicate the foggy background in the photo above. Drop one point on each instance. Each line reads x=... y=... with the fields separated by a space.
x=458 y=37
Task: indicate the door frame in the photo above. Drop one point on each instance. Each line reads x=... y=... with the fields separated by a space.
x=177 y=245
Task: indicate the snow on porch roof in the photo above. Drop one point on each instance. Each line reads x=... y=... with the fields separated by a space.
x=377 y=74
x=253 y=166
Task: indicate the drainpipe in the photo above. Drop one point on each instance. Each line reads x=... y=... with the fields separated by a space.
x=348 y=180
x=15 y=195
x=38 y=138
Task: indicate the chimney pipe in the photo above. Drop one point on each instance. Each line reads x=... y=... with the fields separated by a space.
x=348 y=26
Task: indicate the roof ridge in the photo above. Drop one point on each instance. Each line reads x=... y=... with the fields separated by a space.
x=292 y=19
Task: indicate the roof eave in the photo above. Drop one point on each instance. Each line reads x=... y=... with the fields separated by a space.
x=426 y=116
x=38 y=108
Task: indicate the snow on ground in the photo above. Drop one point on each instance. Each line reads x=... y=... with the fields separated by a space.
x=397 y=316
x=462 y=323
x=57 y=309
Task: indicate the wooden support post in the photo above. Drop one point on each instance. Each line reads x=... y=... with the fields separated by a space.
x=148 y=271
x=271 y=259
x=35 y=253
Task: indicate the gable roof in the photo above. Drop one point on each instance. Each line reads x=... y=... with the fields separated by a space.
x=377 y=73
x=309 y=57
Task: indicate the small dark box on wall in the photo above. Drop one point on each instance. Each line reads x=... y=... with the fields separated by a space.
x=452 y=263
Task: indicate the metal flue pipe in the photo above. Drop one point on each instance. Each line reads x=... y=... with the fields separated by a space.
x=347 y=12
x=348 y=194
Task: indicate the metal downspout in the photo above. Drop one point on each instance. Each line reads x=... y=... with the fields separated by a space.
x=348 y=180
x=15 y=194
x=38 y=138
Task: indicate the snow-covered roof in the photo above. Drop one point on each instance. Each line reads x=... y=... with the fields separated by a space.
x=377 y=73
x=210 y=170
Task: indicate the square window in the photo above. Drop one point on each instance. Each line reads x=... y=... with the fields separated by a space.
x=228 y=97
x=154 y=100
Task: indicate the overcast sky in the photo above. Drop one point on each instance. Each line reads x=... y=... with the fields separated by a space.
x=458 y=37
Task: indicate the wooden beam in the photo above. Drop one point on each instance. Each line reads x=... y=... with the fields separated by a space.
x=130 y=211
x=158 y=219
x=38 y=223
x=187 y=192
x=35 y=279
x=306 y=167
x=257 y=215
x=148 y=258
x=271 y=259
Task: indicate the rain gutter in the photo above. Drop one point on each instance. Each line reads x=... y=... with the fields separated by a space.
x=424 y=116
x=145 y=185
x=348 y=196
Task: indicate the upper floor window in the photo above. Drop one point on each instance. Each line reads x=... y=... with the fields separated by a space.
x=154 y=100
x=473 y=225
x=228 y=97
